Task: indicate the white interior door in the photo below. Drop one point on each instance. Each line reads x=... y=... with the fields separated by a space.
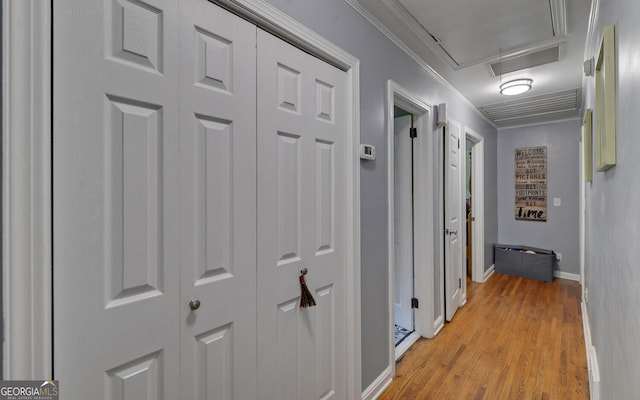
x=115 y=200
x=218 y=202
x=453 y=218
x=403 y=223
x=301 y=209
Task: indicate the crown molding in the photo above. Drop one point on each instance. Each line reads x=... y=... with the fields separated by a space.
x=356 y=5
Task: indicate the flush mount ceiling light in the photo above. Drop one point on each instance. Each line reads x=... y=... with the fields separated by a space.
x=515 y=87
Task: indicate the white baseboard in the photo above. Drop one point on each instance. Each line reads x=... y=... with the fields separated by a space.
x=438 y=325
x=406 y=344
x=379 y=385
x=488 y=272
x=592 y=359
x=567 y=275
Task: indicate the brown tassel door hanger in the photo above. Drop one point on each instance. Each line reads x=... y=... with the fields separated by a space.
x=306 y=299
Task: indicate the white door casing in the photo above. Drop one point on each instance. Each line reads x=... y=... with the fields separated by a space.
x=453 y=218
x=115 y=199
x=218 y=203
x=403 y=222
x=302 y=209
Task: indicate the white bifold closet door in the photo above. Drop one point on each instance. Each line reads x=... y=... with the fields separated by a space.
x=182 y=216
x=116 y=207
x=301 y=209
x=218 y=202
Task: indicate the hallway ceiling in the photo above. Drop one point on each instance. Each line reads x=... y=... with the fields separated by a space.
x=477 y=44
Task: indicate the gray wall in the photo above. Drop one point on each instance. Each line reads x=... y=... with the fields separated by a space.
x=561 y=232
x=613 y=216
x=381 y=60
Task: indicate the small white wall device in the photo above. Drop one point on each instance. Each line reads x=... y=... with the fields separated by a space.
x=367 y=152
x=442 y=114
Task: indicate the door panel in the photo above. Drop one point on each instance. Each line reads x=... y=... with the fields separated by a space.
x=403 y=221
x=115 y=192
x=301 y=208
x=453 y=219
x=218 y=203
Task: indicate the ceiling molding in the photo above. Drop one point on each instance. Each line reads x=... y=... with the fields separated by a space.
x=593 y=16
x=421 y=31
x=355 y=4
x=559 y=17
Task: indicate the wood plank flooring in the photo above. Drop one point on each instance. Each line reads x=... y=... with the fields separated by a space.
x=515 y=338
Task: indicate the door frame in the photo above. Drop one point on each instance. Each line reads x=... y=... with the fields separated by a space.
x=477 y=203
x=27 y=180
x=27 y=190
x=423 y=216
x=583 y=201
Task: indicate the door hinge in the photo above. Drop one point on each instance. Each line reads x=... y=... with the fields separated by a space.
x=458 y=142
x=414 y=302
x=459 y=283
x=413 y=133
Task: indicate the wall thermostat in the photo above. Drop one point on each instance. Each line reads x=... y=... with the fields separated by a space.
x=367 y=152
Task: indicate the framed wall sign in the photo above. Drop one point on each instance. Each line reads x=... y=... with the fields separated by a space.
x=605 y=121
x=531 y=183
x=587 y=144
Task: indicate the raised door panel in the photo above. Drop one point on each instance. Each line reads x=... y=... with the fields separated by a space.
x=453 y=218
x=218 y=204
x=116 y=256
x=301 y=223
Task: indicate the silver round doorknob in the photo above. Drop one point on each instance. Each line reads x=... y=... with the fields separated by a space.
x=194 y=305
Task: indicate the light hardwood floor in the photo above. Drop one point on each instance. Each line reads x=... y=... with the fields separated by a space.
x=514 y=339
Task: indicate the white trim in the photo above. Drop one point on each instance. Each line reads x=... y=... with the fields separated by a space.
x=378 y=386
x=488 y=272
x=440 y=240
x=591 y=28
x=277 y=22
x=477 y=206
x=438 y=325
x=26 y=190
x=405 y=345
x=355 y=4
x=567 y=275
x=592 y=359
x=423 y=214
x=582 y=210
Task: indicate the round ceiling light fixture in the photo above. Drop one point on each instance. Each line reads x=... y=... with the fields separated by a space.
x=517 y=86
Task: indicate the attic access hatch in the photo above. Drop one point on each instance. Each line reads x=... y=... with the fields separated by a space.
x=531 y=23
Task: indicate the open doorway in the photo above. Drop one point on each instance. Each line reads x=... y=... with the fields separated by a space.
x=410 y=220
x=468 y=206
x=474 y=207
x=403 y=211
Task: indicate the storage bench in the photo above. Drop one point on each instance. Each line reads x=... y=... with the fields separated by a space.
x=525 y=261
